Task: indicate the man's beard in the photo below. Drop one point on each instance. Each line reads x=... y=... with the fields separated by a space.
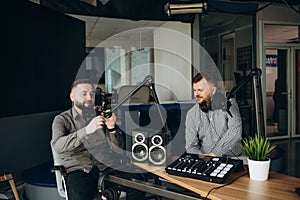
x=205 y=105
x=86 y=110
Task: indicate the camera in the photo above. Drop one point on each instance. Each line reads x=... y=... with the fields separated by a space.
x=102 y=103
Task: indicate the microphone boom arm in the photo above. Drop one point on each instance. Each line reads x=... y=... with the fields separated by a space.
x=148 y=81
x=259 y=112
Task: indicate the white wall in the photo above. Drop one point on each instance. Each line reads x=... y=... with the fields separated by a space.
x=172 y=61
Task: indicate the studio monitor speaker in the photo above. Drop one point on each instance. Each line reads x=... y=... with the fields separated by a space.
x=157 y=151
x=149 y=146
x=140 y=146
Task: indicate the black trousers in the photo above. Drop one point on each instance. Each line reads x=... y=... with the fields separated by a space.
x=84 y=186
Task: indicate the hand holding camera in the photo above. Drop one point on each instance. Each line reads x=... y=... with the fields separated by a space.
x=97 y=123
x=104 y=118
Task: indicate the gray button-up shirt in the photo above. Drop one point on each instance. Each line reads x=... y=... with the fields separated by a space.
x=77 y=150
x=216 y=131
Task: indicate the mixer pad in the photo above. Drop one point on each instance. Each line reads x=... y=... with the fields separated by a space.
x=212 y=169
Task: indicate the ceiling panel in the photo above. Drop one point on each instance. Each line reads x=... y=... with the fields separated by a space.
x=100 y=28
x=281 y=34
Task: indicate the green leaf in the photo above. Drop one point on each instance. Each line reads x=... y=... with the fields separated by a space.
x=257 y=148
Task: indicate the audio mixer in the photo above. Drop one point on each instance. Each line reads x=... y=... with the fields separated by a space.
x=212 y=169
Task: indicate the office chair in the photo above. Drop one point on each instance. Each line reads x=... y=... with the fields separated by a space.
x=61 y=176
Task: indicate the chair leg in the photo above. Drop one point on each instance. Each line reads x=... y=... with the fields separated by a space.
x=14 y=189
x=9 y=177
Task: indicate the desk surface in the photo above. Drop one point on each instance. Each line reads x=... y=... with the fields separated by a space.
x=278 y=186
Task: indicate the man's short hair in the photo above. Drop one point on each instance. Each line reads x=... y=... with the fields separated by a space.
x=209 y=76
x=81 y=81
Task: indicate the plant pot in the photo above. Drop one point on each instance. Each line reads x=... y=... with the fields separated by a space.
x=259 y=170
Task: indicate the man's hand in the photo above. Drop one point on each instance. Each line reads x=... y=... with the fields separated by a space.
x=110 y=122
x=211 y=154
x=96 y=124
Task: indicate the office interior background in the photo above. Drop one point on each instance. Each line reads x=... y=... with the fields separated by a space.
x=45 y=48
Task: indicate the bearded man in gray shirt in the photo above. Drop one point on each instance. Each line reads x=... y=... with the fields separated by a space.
x=88 y=144
x=209 y=130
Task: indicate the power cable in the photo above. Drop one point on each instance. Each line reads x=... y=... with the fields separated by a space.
x=215 y=188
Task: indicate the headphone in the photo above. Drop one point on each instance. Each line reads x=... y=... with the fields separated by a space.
x=205 y=107
x=217 y=101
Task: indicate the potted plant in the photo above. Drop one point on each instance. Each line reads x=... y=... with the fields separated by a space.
x=257 y=150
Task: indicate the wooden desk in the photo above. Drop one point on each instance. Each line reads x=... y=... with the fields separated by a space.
x=278 y=186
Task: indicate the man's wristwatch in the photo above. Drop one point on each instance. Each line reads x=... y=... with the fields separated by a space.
x=112 y=129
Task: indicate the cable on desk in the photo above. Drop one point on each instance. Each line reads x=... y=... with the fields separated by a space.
x=224 y=184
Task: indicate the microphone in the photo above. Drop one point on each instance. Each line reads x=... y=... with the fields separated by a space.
x=219 y=101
